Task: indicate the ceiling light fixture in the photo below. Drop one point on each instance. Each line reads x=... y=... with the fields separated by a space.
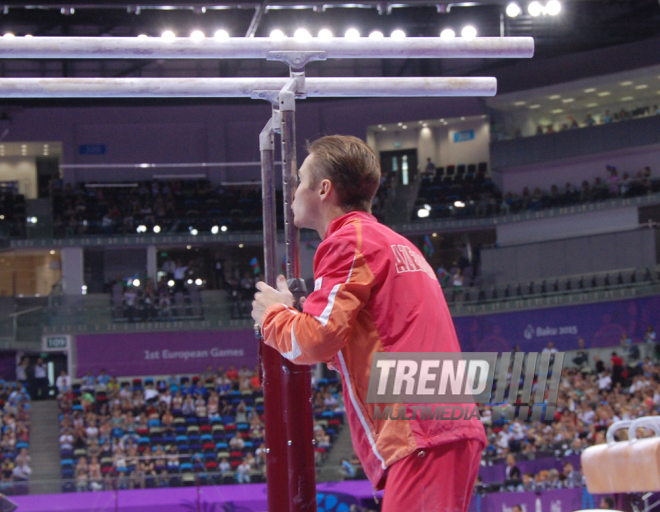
x=513 y=10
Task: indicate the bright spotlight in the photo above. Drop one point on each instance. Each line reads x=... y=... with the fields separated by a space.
x=427 y=207
x=553 y=7
x=215 y=230
x=513 y=10
x=352 y=34
x=8 y=35
x=194 y=232
x=197 y=35
x=189 y=281
x=325 y=34
x=223 y=228
x=277 y=35
x=170 y=283
x=302 y=35
x=143 y=36
x=142 y=228
x=168 y=35
x=459 y=204
x=398 y=35
x=221 y=35
x=534 y=9
x=376 y=34
x=447 y=33
x=156 y=229
x=469 y=32
x=422 y=213
x=198 y=282
x=136 y=282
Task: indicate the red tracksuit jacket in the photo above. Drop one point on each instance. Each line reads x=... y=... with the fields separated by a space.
x=373 y=292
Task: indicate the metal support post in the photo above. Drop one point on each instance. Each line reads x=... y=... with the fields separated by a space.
x=297 y=378
x=270 y=360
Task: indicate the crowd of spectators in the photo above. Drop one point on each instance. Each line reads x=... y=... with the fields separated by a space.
x=592 y=395
x=174 y=298
x=462 y=200
x=175 y=431
x=607 y=117
x=168 y=206
x=15 y=427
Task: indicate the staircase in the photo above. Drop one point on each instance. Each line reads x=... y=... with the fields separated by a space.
x=44 y=448
x=341 y=449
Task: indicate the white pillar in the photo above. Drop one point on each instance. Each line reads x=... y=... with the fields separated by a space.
x=152 y=266
x=72 y=270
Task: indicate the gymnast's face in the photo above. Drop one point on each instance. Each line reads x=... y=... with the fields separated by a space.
x=307 y=201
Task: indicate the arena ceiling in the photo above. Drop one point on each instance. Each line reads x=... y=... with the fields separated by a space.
x=581 y=25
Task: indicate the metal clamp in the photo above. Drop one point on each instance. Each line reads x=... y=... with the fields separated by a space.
x=298 y=288
x=297 y=60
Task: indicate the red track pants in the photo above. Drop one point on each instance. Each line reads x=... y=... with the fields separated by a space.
x=437 y=479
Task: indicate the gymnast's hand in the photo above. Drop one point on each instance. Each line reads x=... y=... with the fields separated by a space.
x=267 y=296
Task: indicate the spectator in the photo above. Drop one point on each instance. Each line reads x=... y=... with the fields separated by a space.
x=243 y=472
x=512 y=472
x=40 y=380
x=617 y=369
x=572 y=478
x=103 y=380
x=130 y=302
x=606 y=503
x=63 y=383
x=179 y=276
x=582 y=356
x=346 y=470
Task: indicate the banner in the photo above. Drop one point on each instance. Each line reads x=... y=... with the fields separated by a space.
x=600 y=325
x=163 y=353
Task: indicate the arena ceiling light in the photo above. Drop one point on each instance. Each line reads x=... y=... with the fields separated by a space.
x=8 y=35
x=422 y=213
x=469 y=32
x=198 y=282
x=535 y=9
x=553 y=7
x=459 y=204
x=168 y=35
x=398 y=34
x=325 y=34
x=302 y=35
x=142 y=36
x=277 y=35
x=215 y=229
x=141 y=228
x=136 y=283
x=170 y=283
x=223 y=228
x=221 y=35
x=376 y=34
x=447 y=34
x=156 y=229
x=197 y=35
x=513 y=10
x=352 y=34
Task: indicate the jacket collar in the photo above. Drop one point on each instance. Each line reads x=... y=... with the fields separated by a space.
x=345 y=219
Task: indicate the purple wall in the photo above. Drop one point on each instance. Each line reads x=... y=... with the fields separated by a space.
x=600 y=324
x=205 y=132
x=163 y=353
